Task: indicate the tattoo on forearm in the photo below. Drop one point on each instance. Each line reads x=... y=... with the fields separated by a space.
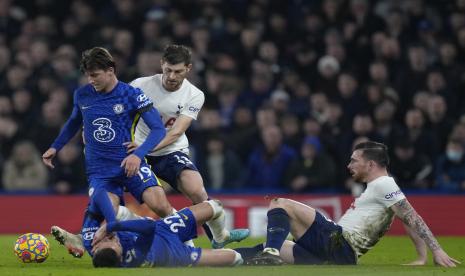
x=410 y=217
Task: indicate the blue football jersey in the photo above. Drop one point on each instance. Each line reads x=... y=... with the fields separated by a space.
x=133 y=244
x=109 y=120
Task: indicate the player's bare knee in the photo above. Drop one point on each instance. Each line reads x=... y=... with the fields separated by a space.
x=277 y=202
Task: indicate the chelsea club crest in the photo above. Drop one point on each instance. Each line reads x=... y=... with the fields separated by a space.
x=118 y=108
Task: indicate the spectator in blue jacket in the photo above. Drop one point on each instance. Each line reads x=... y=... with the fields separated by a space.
x=268 y=162
x=450 y=169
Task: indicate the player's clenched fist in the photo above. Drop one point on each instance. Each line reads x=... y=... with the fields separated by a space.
x=48 y=156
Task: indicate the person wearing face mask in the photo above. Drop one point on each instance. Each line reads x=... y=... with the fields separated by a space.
x=450 y=168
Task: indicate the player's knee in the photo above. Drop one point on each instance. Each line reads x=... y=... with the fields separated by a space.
x=196 y=194
x=217 y=207
x=161 y=208
x=238 y=260
x=277 y=202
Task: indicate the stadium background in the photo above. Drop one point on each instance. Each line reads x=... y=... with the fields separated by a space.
x=290 y=87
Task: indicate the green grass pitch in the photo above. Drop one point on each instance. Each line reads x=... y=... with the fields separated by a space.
x=385 y=259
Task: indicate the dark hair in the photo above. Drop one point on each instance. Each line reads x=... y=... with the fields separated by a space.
x=97 y=58
x=377 y=152
x=175 y=54
x=106 y=257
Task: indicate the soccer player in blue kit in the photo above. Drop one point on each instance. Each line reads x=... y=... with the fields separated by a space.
x=148 y=242
x=109 y=110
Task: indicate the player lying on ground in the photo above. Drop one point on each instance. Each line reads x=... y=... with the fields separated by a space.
x=77 y=244
x=147 y=242
x=319 y=240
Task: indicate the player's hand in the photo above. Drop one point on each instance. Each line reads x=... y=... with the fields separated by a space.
x=48 y=156
x=441 y=258
x=100 y=234
x=417 y=262
x=130 y=146
x=131 y=165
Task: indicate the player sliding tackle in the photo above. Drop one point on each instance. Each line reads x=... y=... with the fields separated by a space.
x=147 y=242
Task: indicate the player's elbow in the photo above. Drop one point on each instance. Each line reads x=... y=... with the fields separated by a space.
x=174 y=134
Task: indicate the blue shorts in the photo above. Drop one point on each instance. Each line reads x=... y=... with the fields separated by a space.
x=136 y=185
x=169 y=167
x=323 y=243
x=168 y=248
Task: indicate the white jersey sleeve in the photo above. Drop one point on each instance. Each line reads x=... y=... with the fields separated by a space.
x=370 y=216
x=194 y=105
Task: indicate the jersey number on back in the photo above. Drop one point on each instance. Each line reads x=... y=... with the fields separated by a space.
x=175 y=221
x=104 y=133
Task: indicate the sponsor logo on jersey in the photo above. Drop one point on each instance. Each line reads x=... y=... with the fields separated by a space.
x=88 y=236
x=87 y=229
x=142 y=98
x=91 y=191
x=180 y=107
x=143 y=105
x=393 y=194
x=118 y=108
x=194 y=109
x=194 y=256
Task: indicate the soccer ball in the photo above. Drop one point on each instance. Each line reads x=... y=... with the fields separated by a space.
x=32 y=248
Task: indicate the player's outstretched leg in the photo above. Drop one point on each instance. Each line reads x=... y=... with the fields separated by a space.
x=71 y=241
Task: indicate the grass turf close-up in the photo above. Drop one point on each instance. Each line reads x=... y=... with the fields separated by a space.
x=385 y=259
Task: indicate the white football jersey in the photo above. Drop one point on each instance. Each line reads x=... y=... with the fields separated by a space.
x=187 y=100
x=369 y=216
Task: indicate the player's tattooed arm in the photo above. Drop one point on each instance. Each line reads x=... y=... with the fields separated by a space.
x=410 y=217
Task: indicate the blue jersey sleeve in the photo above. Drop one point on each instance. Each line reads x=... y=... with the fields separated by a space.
x=142 y=226
x=90 y=225
x=157 y=132
x=138 y=100
x=71 y=126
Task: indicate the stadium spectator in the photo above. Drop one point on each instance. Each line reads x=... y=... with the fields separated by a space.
x=314 y=169
x=69 y=173
x=221 y=168
x=410 y=169
x=417 y=133
x=268 y=162
x=241 y=139
x=290 y=126
x=24 y=170
x=403 y=52
x=450 y=169
x=439 y=122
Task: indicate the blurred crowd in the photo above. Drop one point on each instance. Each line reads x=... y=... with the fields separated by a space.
x=290 y=86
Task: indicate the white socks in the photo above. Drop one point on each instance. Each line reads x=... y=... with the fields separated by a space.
x=217 y=223
x=125 y=214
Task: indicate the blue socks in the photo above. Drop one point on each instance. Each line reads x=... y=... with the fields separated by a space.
x=278 y=228
x=101 y=204
x=249 y=252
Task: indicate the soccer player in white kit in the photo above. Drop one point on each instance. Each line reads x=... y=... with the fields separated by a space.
x=178 y=102
x=319 y=240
